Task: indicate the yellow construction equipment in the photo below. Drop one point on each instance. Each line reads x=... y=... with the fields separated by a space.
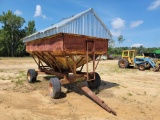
x=129 y=59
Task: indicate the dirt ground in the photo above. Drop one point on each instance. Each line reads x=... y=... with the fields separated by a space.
x=133 y=94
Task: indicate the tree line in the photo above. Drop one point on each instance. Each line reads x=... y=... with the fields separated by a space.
x=140 y=50
x=11 y=34
x=118 y=50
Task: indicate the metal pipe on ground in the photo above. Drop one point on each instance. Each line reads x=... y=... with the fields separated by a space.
x=83 y=86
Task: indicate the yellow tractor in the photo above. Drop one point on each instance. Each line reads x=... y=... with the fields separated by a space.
x=129 y=59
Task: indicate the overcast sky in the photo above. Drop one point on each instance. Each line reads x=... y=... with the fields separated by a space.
x=137 y=20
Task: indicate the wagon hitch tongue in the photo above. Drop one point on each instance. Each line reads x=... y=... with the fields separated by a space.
x=83 y=86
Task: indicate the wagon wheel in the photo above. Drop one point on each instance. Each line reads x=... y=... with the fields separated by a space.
x=94 y=84
x=141 y=67
x=31 y=75
x=54 y=88
x=123 y=63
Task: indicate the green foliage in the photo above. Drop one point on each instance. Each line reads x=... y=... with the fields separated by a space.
x=120 y=39
x=11 y=34
x=111 y=45
x=31 y=28
x=118 y=50
x=140 y=50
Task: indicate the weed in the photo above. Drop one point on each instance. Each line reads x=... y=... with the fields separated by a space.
x=124 y=98
x=130 y=94
x=22 y=73
x=20 y=78
x=19 y=82
x=142 y=112
x=145 y=93
x=2 y=70
x=2 y=78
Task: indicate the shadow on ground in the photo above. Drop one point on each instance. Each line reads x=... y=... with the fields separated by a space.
x=107 y=85
x=74 y=88
x=104 y=85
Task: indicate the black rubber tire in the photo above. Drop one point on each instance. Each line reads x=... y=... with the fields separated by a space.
x=123 y=63
x=31 y=76
x=94 y=84
x=54 y=88
x=141 y=67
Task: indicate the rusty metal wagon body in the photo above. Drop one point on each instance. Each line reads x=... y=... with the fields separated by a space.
x=62 y=48
x=63 y=53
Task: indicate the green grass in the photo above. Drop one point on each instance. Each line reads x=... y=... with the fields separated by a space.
x=21 y=77
x=22 y=73
x=19 y=82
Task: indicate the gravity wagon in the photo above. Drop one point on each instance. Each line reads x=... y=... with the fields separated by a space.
x=70 y=44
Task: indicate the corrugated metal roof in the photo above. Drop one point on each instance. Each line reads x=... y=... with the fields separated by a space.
x=84 y=23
